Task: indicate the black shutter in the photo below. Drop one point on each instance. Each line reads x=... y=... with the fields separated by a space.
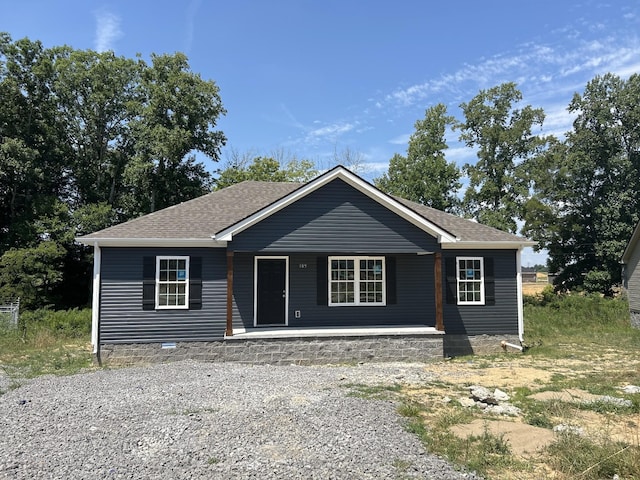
x=489 y=282
x=452 y=284
x=148 y=283
x=322 y=280
x=195 y=283
x=390 y=264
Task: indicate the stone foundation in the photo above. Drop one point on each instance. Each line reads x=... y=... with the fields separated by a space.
x=309 y=351
x=282 y=351
x=635 y=319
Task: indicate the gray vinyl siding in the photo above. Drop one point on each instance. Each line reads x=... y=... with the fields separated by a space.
x=414 y=291
x=122 y=319
x=501 y=318
x=335 y=218
x=633 y=279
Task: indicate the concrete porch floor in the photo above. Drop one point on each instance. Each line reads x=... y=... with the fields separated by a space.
x=318 y=332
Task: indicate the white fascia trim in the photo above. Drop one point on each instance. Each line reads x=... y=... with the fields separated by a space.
x=95 y=300
x=631 y=245
x=488 y=245
x=153 y=242
x=443 y=236
x=520 y=299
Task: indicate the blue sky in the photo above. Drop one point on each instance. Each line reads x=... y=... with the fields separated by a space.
x=309 y=78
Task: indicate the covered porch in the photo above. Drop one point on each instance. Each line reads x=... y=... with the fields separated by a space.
x=301 y=276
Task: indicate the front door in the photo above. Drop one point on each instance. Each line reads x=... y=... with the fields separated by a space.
x=271 y=291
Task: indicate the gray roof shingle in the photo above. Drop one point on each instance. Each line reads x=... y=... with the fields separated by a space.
x=204 y=216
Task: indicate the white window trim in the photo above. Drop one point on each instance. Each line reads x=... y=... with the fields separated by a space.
x=158 y=283
x=458 y=281
x=356 y=281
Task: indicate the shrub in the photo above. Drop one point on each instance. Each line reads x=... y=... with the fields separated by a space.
x=598 y=281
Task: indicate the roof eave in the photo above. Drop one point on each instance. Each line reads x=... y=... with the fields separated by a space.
x=490 y=245
x=151 y=242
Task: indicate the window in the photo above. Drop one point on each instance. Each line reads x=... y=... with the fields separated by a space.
x=172 y=282
x=470 y=279
x=356 y=281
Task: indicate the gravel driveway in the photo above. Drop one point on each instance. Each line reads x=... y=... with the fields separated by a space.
x=214 y=421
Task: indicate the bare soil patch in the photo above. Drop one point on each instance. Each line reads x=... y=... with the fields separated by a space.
x=513 y=372
x=524 y=440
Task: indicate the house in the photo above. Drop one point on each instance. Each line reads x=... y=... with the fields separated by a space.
x=529 y=275
x=331 y=270
x=631 y=275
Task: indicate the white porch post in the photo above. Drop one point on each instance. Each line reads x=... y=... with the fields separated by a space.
x=95 y=301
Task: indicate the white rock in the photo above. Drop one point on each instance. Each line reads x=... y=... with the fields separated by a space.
x=466 y=402
x=482 y=394
x=571 y=429
x=631 y=389
x=500 y=396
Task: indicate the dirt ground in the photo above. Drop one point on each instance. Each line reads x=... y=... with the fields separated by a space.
x=516 y=370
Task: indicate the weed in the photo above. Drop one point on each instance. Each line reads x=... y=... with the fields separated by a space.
x=213 y=460
x=580 y=457
x=46 y=342
x=570 y=325
x=377 y=392
x=409 y=410
x=401 y=465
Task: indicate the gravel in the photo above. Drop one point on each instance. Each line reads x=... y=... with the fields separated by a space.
x=215 y=421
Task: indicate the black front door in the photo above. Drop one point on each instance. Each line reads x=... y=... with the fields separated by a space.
x=271 y=291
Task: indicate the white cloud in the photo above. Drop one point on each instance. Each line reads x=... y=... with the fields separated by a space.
x=333 y=130
x=107 y=30
x=575 y=59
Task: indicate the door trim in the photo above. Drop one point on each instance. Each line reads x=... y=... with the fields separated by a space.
x=255 y=288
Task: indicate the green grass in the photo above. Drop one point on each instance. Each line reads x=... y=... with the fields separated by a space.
x=581 y=457
x=377 y=392
x=564 y=326
x=45 y=342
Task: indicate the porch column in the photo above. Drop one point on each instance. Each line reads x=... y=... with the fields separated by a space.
x=437 y=273
x=229 y=330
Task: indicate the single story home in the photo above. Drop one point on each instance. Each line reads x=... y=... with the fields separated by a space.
x=331 y=270
x=631 y=275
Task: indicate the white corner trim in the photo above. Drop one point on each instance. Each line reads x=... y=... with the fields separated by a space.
x=95 y=298
x=520 y=299
x=356 y=182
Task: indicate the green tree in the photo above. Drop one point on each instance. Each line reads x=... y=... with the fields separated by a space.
x=424 y=175
x=32 y=147
x=31 y=273
x=177 y=117
x=88 y=139
x=99 y=97
x=265 y=169
x=503 y=136
x=587 y=189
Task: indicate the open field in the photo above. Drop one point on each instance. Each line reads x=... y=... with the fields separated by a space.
x=533 y=288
